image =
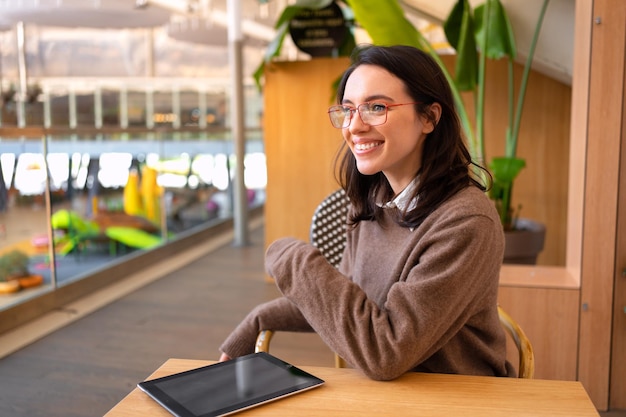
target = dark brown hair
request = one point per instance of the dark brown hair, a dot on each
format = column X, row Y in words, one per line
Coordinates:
column 446, row 162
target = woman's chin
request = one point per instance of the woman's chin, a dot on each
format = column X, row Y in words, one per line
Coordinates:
column 366, row 169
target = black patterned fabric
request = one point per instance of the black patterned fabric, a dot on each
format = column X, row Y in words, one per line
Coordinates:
column 328, row 226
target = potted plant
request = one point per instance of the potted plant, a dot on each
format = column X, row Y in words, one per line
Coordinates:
column 7, row 285
column 14, row 272
column 486, row 28
column 470, row 32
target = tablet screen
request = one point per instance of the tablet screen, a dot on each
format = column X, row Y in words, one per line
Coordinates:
column 227, row 387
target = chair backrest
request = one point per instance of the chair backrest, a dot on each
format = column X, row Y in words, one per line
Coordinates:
column 524, row 347
column 328, row 233
column 328, row 229
column 328, row 226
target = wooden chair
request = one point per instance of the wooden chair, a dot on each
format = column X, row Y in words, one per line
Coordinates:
column 328, row 228
column 524, row 348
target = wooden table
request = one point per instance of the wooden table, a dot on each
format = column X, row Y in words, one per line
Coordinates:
column 347, row 392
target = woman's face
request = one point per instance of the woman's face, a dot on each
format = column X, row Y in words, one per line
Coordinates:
column 395, row 147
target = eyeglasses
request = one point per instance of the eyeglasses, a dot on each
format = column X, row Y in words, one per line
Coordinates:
column 372, row 113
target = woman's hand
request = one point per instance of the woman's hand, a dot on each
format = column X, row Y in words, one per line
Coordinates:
column 224, row 357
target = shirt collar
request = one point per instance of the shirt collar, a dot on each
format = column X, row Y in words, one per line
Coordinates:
column 403, row 200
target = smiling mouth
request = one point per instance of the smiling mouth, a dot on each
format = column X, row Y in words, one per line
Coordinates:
column 366, row 146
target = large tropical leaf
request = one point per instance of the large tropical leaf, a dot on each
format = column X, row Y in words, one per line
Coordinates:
column 500, row 38
column 466, row 31
column 385, row 22
column 459, row 30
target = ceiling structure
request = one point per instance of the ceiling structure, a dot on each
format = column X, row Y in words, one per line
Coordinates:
column 113, row 14
column 205, row 21
column 184, row 16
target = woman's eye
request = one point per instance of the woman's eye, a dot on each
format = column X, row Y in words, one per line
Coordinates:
column 378, row 108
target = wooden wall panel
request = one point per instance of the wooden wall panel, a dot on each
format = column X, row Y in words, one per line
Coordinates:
column 549, row 317
column 617, row 399
column 604, row 142
column 300, row 143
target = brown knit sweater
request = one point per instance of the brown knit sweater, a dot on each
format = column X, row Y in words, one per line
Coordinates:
column 402, row 300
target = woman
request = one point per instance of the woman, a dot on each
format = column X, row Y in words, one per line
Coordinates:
column 417, row 285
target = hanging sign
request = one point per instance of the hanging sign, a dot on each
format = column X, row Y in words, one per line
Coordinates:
column 319, row 32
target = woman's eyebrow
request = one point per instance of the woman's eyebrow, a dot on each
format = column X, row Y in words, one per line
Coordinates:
column 371, row 98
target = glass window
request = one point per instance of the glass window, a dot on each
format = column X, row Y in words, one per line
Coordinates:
column 163, row 109
column 85, row 109
column 136, row 109
column 110, row 107
column 59, row 107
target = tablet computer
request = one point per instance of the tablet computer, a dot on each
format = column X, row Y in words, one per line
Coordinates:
column 228, row 387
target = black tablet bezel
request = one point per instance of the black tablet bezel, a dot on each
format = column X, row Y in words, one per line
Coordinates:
column 152, row 388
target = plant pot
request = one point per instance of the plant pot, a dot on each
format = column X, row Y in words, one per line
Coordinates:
column 524, row 243
column 10, row 286
column 30, row 281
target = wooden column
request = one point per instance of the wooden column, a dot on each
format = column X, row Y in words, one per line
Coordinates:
column 605, row 129
column 300, row 143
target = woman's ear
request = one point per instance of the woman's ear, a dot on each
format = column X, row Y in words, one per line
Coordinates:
column 432, row 118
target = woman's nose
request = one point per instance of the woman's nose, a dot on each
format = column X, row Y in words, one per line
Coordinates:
column 356, row 123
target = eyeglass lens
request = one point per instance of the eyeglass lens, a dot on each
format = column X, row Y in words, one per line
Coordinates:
column 373, row 114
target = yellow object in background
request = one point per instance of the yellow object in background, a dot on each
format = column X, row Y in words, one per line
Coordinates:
column 94, row 205
column 133, row 205
column 151, row 193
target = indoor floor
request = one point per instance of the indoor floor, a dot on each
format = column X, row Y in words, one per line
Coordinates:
column 85, row 367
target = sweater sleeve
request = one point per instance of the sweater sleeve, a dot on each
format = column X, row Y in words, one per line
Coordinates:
column 449, row 275
column 277, row 314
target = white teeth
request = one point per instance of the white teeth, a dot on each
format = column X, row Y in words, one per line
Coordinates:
column 366, row 146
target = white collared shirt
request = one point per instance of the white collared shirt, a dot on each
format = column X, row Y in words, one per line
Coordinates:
column 403, row 200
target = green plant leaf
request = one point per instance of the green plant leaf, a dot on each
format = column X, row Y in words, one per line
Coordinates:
column 387, row 25
column 506, row 169
column 465, row 30
column 498, row 30
column 273, row 49
column 454, row 21
column 348, row 45
column 459, row 29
